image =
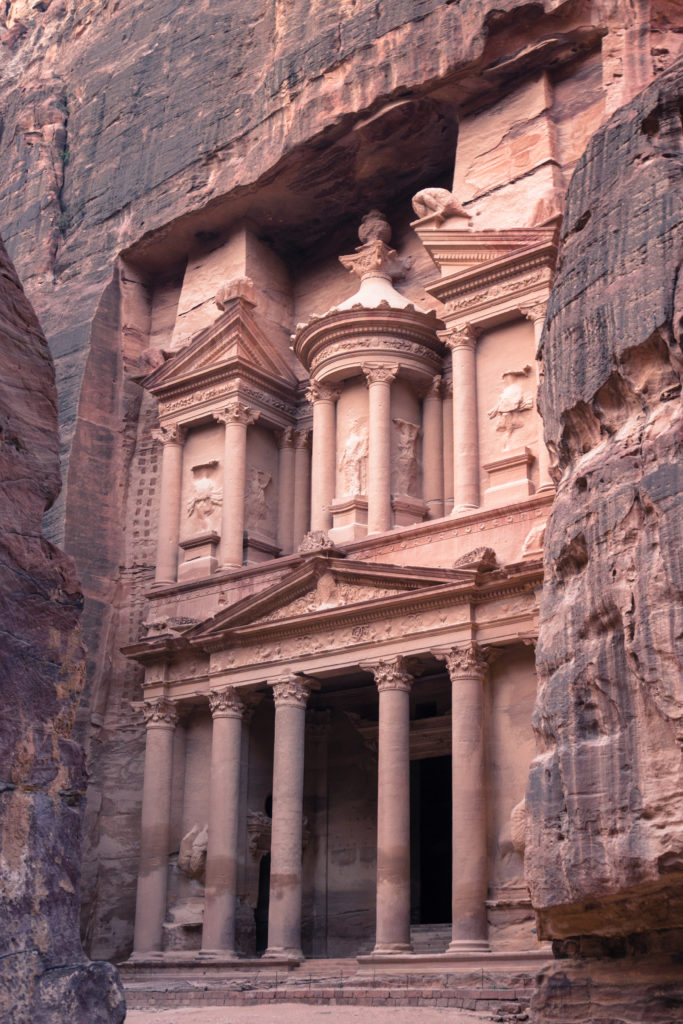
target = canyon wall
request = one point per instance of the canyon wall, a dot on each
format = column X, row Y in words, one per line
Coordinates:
column 44, row 975
column 605, row 801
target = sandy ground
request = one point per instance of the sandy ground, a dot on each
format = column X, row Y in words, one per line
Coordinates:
column 293, row 1013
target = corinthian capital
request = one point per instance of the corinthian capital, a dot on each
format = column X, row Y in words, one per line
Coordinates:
column 379, row 374
column 318, row 392
column 169, row 433
column 160, row 712
column 225, row 703
column 391, row 674
column 465, row 662
column 285, row 437
column 293, row 692
column 459, row 337
column 237, row 412
column 534, row 312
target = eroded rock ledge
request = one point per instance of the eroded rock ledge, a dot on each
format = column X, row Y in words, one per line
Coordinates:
column 44, row 975
column 605, row 840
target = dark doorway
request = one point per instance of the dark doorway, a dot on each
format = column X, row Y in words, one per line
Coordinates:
column 261, row 910
column 430, row 840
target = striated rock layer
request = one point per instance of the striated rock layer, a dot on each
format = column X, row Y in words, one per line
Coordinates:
column 605, row 800
column 44, row 976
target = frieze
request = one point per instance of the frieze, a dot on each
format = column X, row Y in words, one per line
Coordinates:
column 389, row 344
column 479, row 296
column 208, row 394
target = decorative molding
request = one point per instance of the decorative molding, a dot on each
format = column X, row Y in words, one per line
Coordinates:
column 293, row 692
column 391, row 675
column 434, row 388
column 237, row 412
column 160, row 712
column 302, row 438
column 225, row 703
column 379, row 374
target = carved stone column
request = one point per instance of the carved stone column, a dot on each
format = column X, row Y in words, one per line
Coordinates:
column 284, row 912
column 467, row 669
column 236, row 418
column 286, row 496
column 172, row 438
column 323, row 459
column 150, row 911
column 447, row 410
column 432, row 450
column 536, row 314
column 218, row 932
column 393, row 807
column 463, row 345
column 302, row 486
column 379, row 380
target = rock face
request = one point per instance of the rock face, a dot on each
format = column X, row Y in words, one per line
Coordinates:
column 44, row 976
column 605, row 802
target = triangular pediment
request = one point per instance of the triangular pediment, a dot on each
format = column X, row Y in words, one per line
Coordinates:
column 323, row 586
column 235, row 337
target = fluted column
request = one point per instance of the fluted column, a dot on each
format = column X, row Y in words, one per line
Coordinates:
column 286, row 497
column 171, row 437
column 150, row 910
column 218, row 932
column 323, row 459
column 447, row 410
column 432, row 450
column 463, row 345
column 236, row 418
column 393, row 807
column 302, row 486
column 467, row 669
column 379, row 380
column 284, row 911
column 536, row 314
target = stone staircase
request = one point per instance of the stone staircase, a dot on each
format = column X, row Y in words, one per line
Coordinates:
column 502, row 994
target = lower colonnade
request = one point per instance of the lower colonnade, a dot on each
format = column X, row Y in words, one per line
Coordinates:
column 230, row 708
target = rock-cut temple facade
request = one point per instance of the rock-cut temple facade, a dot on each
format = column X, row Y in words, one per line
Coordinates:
column 338, row 644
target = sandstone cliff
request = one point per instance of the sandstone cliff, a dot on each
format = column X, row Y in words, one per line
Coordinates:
column 605, row 840
column 44, row 976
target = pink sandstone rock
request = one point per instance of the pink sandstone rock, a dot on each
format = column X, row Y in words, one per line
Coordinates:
column 605, row 802
column 44, row 975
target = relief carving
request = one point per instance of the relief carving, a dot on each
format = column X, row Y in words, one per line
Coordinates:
column 391, row 675
column 159, row 711
column 512, row 403
column 353, row 460
column 256, row 501
column 206, row 497
column 406, row 469
column 192, row 852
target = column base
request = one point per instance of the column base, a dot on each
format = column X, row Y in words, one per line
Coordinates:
column 459, row 510
column 152, row 954
column 283, row 954
column 231, row 566
column 392, row 949
column 469, row 946
column 546, row 489
column 217, row 954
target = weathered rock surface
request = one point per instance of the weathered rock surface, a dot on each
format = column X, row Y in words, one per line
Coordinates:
column 605, row 802
column 44, row 976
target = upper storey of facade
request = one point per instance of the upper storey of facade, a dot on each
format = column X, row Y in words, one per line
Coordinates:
column 383, row 409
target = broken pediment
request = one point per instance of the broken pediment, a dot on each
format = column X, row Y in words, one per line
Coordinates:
column 234, row 339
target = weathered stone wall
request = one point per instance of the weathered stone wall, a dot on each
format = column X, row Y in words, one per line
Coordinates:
column 605, row 801
column 44, row 975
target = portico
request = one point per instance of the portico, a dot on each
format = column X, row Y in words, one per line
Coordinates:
column 398, row 660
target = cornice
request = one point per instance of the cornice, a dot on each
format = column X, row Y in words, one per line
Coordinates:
column 511, row 266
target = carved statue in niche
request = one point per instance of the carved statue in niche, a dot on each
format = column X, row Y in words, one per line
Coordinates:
column 192, row 853
column 256, row 500
column 406, row 469
column 206, row 498
column 353, row 461
column 512, row 402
